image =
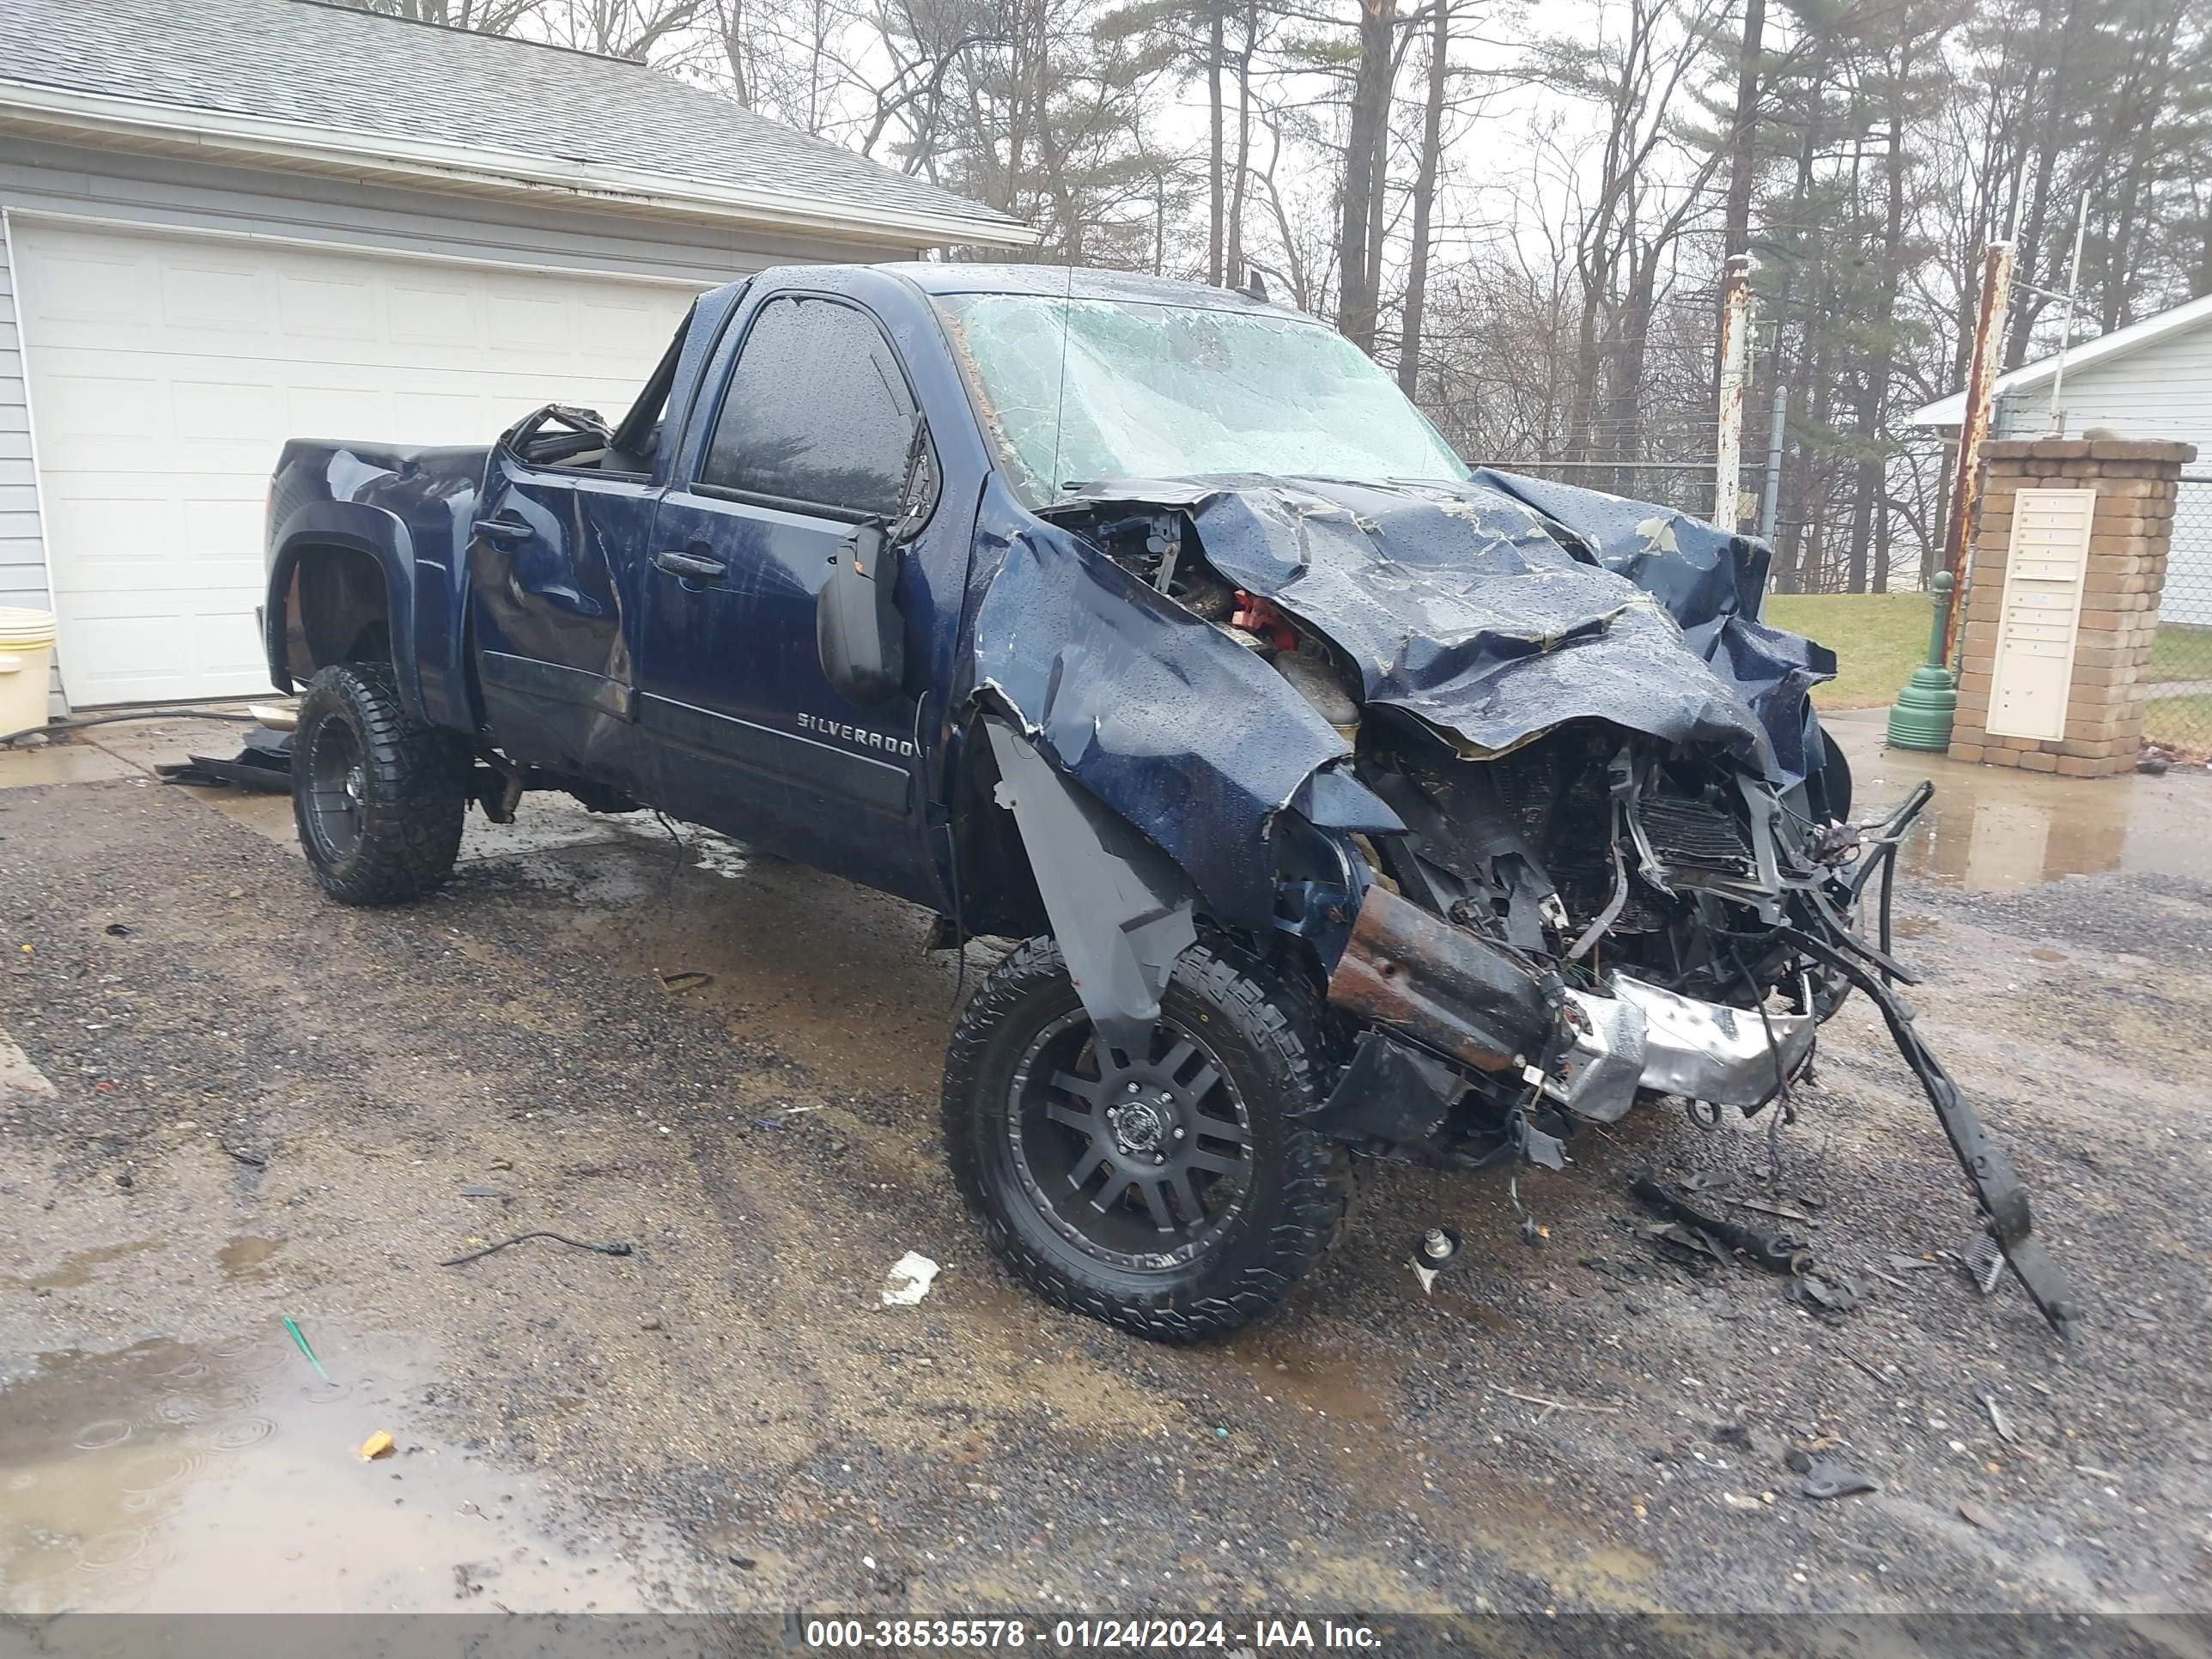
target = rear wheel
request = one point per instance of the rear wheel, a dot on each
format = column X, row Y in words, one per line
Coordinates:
column 377, row 796
column 1177, row 1193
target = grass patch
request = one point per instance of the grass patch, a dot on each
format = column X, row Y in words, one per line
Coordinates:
column 2182, row 651
column 2184, row 723
column 1879, row 639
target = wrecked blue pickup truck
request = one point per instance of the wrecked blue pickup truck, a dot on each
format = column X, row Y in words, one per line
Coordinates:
column 1346, row 801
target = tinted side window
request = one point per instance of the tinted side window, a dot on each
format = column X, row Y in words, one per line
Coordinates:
column 815, row 411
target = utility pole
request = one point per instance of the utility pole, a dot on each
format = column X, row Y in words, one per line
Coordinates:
column 1776, row 423
column 1974, row 429
column 1736, row 331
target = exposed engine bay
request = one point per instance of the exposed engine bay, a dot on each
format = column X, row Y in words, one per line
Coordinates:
column 1561, row 831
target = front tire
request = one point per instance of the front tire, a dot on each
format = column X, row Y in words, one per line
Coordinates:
column 1179, row 1196
column 377, row 797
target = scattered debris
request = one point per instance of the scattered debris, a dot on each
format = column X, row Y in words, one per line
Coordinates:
column 117, row 930
column 1776, row 1252
column 1736, row 1500
column 1831, row 1293
column 1914, row 1264
column 619, row 1248
column 1737, row 1435
column 1551, row 1404
column 265, row 765
column 648, row 1324
column 1985, row 1263
column 300, row 1341
column 1782, row 1210
column 252, row 1160
column 1976, row 1515
column 1824, row 1478
column 475, row 1191
column 2152, row 761
column 2092, row 1469
column 908, row 1280
column 377, row 1445
column 1998, row 1420
column 689, row 980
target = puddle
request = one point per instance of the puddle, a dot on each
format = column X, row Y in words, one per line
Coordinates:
column 1289, row 1371
column 245, row 1257
column 77, row 1270
column 174, row 1477
column 1994, row 830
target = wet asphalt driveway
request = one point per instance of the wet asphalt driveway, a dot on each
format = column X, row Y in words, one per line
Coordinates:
column 235, row 1103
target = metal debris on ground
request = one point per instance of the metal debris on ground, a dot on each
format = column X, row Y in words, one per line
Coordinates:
column 1433, row 1252
column 265, row 765
column 475, row 1191
column 1782, row 1210
column 1986, row 1262
column 1824, row 1478
column 1776, row 1252
column 689, row 979
column 908, row 1280
column 252, row 1160
column 1974, row 1513
column 1831, row 1293
column 619, row 1248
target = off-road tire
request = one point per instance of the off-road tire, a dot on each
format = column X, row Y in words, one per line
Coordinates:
column 1263, row 1033
column 413, row 795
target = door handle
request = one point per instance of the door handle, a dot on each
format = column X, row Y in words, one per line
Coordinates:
column 693, row 567
column 501, row 529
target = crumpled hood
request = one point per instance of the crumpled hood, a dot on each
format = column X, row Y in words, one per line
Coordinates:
column 1497, row 610
column 1492, row 611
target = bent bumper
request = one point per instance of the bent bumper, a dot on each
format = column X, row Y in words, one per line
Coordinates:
column 1485, row 1006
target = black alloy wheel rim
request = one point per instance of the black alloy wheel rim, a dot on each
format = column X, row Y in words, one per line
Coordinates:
column 337, row 779
column 1142, row 1164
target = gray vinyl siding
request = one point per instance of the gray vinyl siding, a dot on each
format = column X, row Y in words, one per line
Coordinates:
column 2162, row 391
column 185, row 194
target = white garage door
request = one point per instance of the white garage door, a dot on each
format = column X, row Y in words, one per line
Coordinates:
column 167, row 370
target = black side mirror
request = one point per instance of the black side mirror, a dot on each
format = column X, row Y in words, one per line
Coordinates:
column 858, row 632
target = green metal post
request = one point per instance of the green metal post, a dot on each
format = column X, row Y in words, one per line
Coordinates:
column 1921, row 717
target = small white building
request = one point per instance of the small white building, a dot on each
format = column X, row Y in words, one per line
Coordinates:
column 2150, row 380
column 229, row 221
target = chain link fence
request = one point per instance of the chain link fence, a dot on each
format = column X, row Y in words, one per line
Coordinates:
column 1686, row 486
column 2178, row 710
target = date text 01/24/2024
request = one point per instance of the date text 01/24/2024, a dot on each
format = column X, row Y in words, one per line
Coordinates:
column 1087, row 1635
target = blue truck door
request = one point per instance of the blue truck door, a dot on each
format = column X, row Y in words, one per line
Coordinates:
column 808, row 440
column 550, row 585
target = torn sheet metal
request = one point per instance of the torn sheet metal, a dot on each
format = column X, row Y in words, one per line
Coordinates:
column 1709, row 1051
column 1121, row 911
column 1714, row 584
column 1496, row 613
column 1164, row 717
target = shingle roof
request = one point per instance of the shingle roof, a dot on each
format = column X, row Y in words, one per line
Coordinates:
column 2086, row 354
column 329, row 68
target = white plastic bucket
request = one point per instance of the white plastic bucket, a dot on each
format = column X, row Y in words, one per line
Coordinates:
column 26, row 653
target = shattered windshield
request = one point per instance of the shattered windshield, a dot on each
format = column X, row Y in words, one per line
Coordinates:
column 1174, row 392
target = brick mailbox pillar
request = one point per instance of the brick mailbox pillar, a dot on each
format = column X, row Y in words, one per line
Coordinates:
column 2066, row 581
